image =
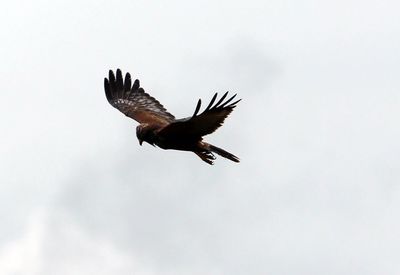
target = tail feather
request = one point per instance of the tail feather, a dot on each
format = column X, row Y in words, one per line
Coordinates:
column 223, row 153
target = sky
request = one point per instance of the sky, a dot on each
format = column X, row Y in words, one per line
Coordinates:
column 317, row 190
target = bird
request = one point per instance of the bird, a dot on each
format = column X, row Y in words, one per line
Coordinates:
column 160, row 128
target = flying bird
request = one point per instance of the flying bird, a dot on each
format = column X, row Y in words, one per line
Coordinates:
column 160, row 128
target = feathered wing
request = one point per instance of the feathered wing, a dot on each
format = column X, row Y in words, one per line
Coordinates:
column 133, row 101
column 203, row 124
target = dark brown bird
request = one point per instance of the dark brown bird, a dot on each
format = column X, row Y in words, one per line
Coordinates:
column 159, row 128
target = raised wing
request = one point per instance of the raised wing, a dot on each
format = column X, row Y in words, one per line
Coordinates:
column 133, row 101
column 203, row 124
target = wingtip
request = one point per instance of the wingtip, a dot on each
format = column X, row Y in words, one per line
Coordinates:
column 197, row 108
column 111, row 76
column 107, row 88
column 234, row 103
column 127, row 82
column 211, row 102
column 119, row 75
column 136, row 85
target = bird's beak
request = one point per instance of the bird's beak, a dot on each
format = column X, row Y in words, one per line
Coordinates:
column 140, row 142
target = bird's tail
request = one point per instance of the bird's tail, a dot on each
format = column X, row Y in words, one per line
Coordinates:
column 223, row 153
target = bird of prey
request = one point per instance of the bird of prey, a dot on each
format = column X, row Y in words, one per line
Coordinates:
column 160, row 128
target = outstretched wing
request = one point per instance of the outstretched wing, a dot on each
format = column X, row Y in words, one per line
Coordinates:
column 133, row 101
column 203, row 124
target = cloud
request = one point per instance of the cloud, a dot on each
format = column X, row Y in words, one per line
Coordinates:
column 55, row 244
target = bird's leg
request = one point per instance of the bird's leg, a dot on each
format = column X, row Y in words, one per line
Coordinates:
column 206, row 156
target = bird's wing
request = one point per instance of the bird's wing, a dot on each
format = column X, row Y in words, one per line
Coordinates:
column 203, row 124
column 133, row 101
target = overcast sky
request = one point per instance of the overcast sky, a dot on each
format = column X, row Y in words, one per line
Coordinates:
column 317, row 190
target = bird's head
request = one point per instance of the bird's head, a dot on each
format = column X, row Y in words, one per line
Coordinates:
column 144, row 133
column 140, row 133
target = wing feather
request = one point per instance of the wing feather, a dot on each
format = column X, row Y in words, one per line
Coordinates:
column 203, row 124
column 127, row 83
column 221, row 99
column 197, row 107
column 133, row 101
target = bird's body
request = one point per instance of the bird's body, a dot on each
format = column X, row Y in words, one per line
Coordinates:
column 160, row 128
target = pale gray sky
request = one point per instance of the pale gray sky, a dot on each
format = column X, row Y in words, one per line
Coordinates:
column 318, row 187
